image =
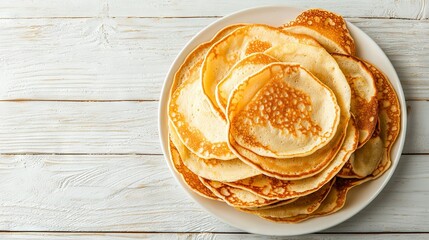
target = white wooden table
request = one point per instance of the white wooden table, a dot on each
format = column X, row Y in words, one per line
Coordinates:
column 79, row 88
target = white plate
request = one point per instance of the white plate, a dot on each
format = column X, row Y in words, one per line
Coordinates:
column 358, row 198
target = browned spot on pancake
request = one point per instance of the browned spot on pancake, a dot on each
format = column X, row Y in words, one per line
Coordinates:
column 280, row 106
column 346, row 171
column 259, row 58
column 257, row 46
column 365, row 112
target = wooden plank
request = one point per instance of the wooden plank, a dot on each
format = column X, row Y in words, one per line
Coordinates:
column 412, row 9
column 201, row 236
column 95, row 193
column 88, row 59
column 408, row 60
column 52, row 9
column 138, row 193
column 119, row 127
column 79, row 127
column 127, row 59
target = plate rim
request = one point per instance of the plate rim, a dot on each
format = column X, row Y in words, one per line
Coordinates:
column 163, row 118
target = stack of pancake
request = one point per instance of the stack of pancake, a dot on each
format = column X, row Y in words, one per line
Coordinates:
column 281, row 121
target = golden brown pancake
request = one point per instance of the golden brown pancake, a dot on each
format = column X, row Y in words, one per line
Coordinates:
column 364, row 105
column 331, row 75
column 189, row 109
column 197, row 55
column 389, row 121
column 267, row 119
column 235, row 197
column 214, row 169
column 238, row 73
column 276, row 204
column 389, row 117
column 328, row 28
column 190, row 178
column 305, row 205
column 333, row 202
column 282, row 111
column 274, row 188
column 236, row 46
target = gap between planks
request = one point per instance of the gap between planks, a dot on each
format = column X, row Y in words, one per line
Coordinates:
column 126, row 154
column 190, row 17
column 80, row 100
column 204, row 232
column 133, row 100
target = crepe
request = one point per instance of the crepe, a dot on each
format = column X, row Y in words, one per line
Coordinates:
column 305, row 205
column 236, row 46
column 333, row 202
column 190, row 178
column 235, row 197
column 238, row 73
column 364, row 104
column 213, row 169
column 282, row 111
column 274, row 188
column 373, row 159
column 281, row 123
column 189, row 109
column 328, row 28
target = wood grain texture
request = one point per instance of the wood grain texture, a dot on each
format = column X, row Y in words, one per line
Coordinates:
column 138, row 193
column 52, row 9
column 119, row 127
column 412, row 9
column 202, row 236
column 79, row 127
column 127, row 59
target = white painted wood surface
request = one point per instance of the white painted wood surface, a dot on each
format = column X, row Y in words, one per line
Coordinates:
column 79, row 89
column 138, row 194
column 408, row 9
column 201, row 236
column 127, row 58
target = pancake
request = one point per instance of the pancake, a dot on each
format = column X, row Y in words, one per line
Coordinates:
column 239, row 72
column 268, row 121
column 321, row 64
column 329, row 73
column 274, row 205
column 334, row 201
column 383, row 138
column 273, row 188
column 368, row 157
column 244, row 41
column 282, row 111
column 328, row 28
column 189, row 109
column 213, row 169
column 235, row 197
column 364, row 104
column 347, row 170
column 190, row 178
column 196, row 55
column 305, row 205
column 389, row 117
